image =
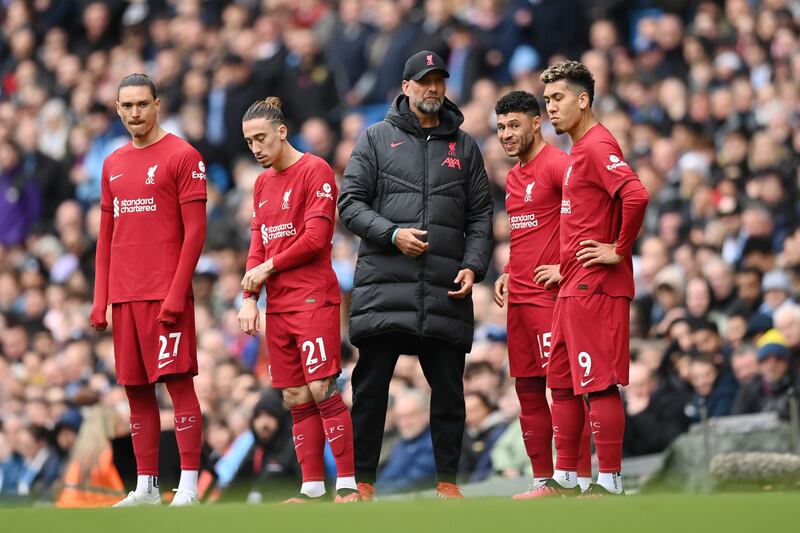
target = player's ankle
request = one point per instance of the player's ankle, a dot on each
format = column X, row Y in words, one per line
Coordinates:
column 611, row 481
column 565, row 478
column 313, row 489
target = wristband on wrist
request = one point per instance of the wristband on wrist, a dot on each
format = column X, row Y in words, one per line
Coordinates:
column 394, row 234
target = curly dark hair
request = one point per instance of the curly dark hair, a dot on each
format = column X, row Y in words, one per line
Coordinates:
column 518, row 102
column 575, row 73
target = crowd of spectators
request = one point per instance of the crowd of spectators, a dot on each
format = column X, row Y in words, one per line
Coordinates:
column 701, row 95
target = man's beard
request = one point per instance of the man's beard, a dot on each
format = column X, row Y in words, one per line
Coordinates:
column 429, row 107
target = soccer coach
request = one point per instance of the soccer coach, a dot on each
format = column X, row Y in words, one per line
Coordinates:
column 415, row 190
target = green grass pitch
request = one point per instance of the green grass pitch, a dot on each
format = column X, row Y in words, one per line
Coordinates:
column 725, row 513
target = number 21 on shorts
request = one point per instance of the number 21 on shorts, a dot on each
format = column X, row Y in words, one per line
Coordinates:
column 313, row 363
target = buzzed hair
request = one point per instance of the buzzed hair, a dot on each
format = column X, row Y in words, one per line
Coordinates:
column 574, row 73
column 518, row 102
column 137, row 80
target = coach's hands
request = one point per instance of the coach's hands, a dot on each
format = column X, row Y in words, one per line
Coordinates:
column 248, row 317
column 466, row 278
column 501, row 289
column 98, row 317
column 171, row 309
column 547, row 275
column 256, row 276
column 407, row 242
column 598, row 253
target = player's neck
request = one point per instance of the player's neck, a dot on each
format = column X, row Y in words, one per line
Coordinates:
column 585, row 124
column 536, row 147
column 152, row 137
column 289, row 157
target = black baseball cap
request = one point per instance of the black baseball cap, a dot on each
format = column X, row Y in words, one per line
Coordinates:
column 423, row 62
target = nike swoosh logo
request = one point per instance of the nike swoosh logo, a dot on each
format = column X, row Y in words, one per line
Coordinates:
column 336, row 437
column 395, row 145
column 507, row 195
column 584, row 383
column 184, row 428
column 165, row 363
column 298, row 445
column 313, row 369
column 112, row 178
column 134, row 434
column 261, row 203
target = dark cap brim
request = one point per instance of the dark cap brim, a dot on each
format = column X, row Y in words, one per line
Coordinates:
column 421, row 73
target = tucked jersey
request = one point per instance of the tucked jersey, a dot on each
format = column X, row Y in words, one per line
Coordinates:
column 143, row 189
column 591, row 210
column 533, row 201
column 282, row 203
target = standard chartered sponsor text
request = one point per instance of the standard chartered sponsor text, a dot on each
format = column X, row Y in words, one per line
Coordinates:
column 281, row 230
column 524, row 221
column 137, row 205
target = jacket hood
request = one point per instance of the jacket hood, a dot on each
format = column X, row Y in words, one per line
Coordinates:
column 400, row 115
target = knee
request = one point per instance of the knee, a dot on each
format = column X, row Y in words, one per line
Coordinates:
column 294, row 396
column 613, row 390
column 322, row 389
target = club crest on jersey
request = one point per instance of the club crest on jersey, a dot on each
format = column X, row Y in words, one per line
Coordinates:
column 201, row 175
column 286, row 196
column 616, row 162
column 325, row 192
column 451, row 160
column 529, row 191
column 151, row 175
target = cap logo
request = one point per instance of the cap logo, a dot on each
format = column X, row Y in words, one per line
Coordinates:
column 429, row 58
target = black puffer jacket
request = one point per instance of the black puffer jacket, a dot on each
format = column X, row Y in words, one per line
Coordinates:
column 399, row 176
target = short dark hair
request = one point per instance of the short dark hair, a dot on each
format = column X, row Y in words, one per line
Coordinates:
column 269, row 109
column 138, row 80
column 518, row 102
column 575, row 73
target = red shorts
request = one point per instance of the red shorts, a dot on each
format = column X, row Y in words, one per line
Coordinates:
column 591, row 343
column 304, row 346
column 145, row 350
column 529, row 339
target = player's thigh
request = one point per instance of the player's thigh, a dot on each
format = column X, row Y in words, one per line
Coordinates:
column 559, row 374
column 282, row 351
column 128, row 358
column 319, row 340
column 597, row 334
column 530, row 339
column 166, row 349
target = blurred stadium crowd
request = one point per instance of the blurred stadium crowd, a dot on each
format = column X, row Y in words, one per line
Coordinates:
column 702, row 96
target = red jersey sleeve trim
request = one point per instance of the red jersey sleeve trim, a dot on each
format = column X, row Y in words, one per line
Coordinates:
column 194, row 198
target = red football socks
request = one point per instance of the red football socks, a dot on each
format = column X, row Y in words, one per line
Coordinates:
column 339, row 432
column 537, row 426
column 585, row 450
column 188, row 420
column 309, row 441
column 607, row 415
column 145, row 427
column 568, row 422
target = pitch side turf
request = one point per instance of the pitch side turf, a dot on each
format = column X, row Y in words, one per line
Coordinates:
column 725, row 513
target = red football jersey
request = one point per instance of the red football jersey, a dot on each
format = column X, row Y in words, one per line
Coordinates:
column 533, row 201
column 282, row 202
column 144, row 188
column 590, row 210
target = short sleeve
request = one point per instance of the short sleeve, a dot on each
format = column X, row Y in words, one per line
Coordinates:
column 106, row 202
column 611, row 170
column 321, row 192
column 190, row 173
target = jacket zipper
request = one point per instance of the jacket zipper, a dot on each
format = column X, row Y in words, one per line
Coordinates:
column 425, row 228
